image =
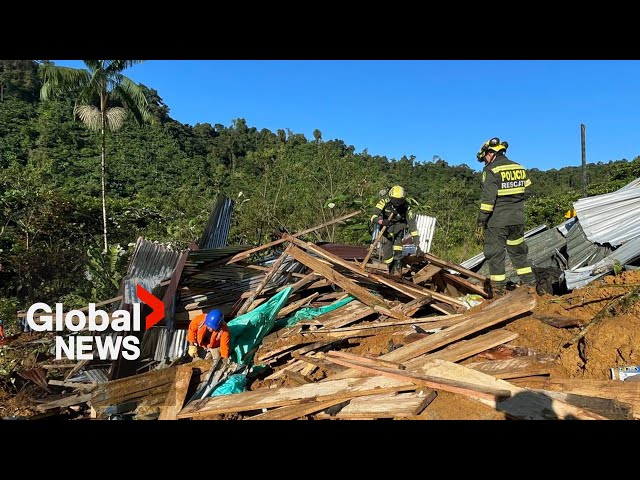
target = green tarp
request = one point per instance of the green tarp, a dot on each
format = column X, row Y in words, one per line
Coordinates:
column 248, row 330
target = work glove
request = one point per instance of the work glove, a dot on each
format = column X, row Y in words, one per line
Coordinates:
column 479, row 233
column 384, row 222
column 193, row 351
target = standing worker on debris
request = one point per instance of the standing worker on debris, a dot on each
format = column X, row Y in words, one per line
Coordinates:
column 500, row 223
column 403, row 219
column 209, row 332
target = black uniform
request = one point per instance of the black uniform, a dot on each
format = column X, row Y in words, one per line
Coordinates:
column 502, row 210
column 403, row 219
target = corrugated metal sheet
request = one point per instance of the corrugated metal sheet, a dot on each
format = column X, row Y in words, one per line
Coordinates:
column 581, row 251
column 476, row 260
column 579, row 277
column 150, row 264
column 160, row 344
column 216, row 233
column 426, row 227
column 98, row 375
column 612, row 217
column 543, row 249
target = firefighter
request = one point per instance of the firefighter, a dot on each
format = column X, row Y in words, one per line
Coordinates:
column 500, row 223
column 403, row 220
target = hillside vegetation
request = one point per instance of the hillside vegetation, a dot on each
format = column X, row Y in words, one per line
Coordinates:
column 163, row 177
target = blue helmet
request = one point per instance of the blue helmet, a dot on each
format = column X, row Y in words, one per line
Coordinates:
column 214, row 319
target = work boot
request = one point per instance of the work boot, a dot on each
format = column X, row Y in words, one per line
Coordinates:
column 528, row 279
column 498, row 289
column 395, row 268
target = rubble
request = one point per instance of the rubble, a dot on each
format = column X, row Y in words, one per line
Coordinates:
column 318, row 335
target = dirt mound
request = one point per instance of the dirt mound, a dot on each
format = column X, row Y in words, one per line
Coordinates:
column 613, row 341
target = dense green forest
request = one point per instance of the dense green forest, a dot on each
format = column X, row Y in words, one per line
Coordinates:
column 163, row 178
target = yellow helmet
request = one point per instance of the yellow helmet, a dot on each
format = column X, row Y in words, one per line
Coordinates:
column 494, row 145
column 397, row 195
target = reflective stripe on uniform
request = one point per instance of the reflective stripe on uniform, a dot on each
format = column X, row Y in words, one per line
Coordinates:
column 486, row 207
column 510, row 191
column 373, row 217
column 517, row 241
column 504, row 168
column 498, row 278
column 397, row 247
column 381, row 204
column 388, row 260
column 527, row 183
column 523, row 271
column 413, row 234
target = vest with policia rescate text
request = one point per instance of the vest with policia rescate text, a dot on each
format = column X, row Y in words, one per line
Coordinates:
column 504, row 184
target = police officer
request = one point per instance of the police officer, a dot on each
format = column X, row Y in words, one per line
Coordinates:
column 403, row 219
column 500, row 223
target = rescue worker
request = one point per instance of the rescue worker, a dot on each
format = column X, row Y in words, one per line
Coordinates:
column 1, row 330
column 403, row 219
column 209, row 333
column 500, row 223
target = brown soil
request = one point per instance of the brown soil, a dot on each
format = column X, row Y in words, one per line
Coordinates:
column 612, row 342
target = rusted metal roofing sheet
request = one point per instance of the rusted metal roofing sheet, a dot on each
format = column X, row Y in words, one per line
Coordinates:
column 612, row 217
column 347, row 252
column 216, row 233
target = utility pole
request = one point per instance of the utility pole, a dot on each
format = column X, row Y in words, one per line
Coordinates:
column 584, row 160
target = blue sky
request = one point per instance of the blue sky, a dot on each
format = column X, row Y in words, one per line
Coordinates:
column 423, row 108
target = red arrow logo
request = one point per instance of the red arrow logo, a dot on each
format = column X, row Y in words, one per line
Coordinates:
column 157, row 306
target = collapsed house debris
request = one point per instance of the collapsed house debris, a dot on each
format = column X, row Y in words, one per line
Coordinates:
column 316, row 334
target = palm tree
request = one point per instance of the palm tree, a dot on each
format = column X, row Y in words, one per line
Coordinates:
column 104, row 96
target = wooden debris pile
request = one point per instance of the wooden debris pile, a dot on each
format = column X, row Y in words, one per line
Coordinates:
column 386, row 353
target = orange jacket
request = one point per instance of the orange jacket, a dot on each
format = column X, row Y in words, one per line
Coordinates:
column 219, row 338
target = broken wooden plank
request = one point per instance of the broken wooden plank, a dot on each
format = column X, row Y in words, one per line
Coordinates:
column 141, row 385
column 401, row 405
column 366, row 359
column 466, row 348
column 366, row 297
column 426, row 273
column 267, row 277
column 277, row 397
column 292, row 412
column 82, row 385
column 510, row 306
column 465, row 284
column 67, row 401
column 177, row 393
column 431, row 381
column 414, row 291
column 251, row 251
column 318, row 362
column 453, row 266
column 516, row 367
column 405, row 288
column 410, row 308
column 624, row 392
column 297, row 377
column 523, row 404
column 296, row 305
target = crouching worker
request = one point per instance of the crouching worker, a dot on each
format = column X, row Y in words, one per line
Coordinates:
column 208, row 333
